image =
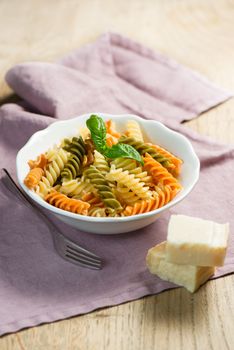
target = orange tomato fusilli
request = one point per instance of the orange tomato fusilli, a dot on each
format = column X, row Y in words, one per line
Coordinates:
column 160, row 174
column 61, row 201
column 177, row 162
column 40, row 162
column 33, row 178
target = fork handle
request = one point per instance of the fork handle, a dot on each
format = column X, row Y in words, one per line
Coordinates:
column 37, row 210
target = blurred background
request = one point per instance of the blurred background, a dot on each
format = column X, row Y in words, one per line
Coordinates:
column 197, row 33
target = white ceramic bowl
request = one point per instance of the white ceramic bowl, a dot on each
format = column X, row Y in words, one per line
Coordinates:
column 154, row 131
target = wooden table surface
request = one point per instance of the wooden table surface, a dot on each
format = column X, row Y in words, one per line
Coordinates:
column 197, row 33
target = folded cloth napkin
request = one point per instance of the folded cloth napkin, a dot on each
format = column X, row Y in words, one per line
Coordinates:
column 114, row 75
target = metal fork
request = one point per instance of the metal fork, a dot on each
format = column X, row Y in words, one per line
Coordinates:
column 66, row 248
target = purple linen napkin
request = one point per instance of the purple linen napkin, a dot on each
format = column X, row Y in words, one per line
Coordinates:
column 114, row 75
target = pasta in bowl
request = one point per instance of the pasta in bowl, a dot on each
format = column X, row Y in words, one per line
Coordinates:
column 105, row 173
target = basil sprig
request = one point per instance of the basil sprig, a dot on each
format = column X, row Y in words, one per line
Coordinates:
column 97, row 128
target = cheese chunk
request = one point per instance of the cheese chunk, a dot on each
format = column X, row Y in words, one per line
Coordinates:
column 188, row 276
column 195, row 241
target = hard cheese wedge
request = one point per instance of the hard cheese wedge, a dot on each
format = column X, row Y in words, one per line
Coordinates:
column 195, row 241
column 190, row 277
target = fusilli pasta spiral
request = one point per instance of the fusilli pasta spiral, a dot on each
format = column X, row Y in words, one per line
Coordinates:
column 159, row 173
column 40, row 162
column 97, row 212
column 33, row 178
column 165, row 194
column 99, row 182
column 76, row 187
column 53, row 169
column 73, row 166
column 89, row 156
column 61, row 201
column 175, row 161
column 103, row 212
column 110, row 129
column 129, row 181
column 76, row 146
column 131, row 166
column 134, row 130
column 101, row 163
column 161, row 197
column 124, row 195
column 93, row 199
column 143, row 148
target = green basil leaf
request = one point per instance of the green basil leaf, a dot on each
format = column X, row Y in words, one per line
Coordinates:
column 97, row 128
column 122, row 150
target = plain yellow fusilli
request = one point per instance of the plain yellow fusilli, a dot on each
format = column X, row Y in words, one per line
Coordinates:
column 56, row 163
column 101, row 163
column 134, row 130
column 76, row 187
column 129, row 181
column 133, row 168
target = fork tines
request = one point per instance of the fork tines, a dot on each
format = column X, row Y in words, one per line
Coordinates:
column 82, row 257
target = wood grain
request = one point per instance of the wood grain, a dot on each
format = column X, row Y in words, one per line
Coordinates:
column 197, row 33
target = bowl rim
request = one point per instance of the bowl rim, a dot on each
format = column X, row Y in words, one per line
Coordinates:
column 85, row 218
